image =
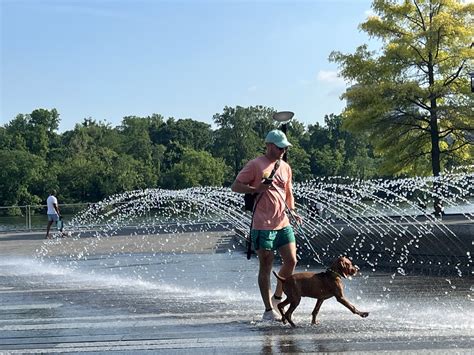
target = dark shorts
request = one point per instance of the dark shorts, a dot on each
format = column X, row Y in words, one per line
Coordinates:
column 272, row 239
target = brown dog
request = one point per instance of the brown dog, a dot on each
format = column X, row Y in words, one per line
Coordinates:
column 322, row 286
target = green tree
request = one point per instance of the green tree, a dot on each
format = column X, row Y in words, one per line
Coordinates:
column 91, row 177
column 299, row 161
column 20, row 170
column 297, row 156
column 327, row 161
column 335, row 151
column 172, row 137
column 89, row 136
column 156, row 123
column 196, row 168
column 240, row 134
column 413, row 96
column 136, row 138
column 5, row 139
column 187, row 132
column 33, row 132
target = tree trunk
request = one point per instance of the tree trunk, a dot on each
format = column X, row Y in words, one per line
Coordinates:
column 435, row 159
column 435, row 151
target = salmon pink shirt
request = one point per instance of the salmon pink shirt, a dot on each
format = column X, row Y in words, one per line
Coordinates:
column 270, row 211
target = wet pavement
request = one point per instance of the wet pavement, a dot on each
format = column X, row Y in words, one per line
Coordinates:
column 176, row 294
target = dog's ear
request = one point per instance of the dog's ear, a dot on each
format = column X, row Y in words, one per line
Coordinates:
column 339, row 266
column 349, row 268
column 346, row 266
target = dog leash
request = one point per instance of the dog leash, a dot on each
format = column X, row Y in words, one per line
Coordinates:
column 249, row 239
column 268, row 180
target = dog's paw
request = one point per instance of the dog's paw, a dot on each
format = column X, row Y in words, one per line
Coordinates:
column 364, row 314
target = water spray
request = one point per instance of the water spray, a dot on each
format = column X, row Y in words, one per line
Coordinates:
column 316, row 257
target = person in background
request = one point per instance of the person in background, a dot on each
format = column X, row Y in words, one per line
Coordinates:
column 53, row 211
column 271, row 229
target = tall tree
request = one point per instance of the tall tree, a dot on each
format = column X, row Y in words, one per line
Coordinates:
column 90, row 135
column 19, row 171
column 188, row 132
column 240, row 134
column 34, row 132
column 136, row 137
column 196, row 168
column 335, row 151
column 298, row 158
column 413, row 96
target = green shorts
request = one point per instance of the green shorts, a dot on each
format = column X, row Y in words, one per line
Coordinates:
column 272, row 240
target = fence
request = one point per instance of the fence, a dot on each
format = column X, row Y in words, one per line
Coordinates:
column 33, row 217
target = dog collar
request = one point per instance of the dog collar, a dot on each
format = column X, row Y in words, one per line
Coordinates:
column 336, row 273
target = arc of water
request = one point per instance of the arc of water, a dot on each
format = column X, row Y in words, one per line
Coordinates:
column 157, row 210
column 350, row 204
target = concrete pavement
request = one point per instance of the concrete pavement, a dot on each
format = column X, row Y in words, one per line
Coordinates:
column 184, row 297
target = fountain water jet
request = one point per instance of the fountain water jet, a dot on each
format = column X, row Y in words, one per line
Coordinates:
column 378, row 223
column 139, row 273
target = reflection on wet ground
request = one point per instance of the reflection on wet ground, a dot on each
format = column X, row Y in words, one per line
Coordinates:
column 209, row 303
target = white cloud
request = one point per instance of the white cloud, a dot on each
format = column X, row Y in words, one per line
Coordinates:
column 330, row 76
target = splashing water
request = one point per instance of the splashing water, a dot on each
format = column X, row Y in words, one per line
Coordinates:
column 378, row 223
column 142, row 265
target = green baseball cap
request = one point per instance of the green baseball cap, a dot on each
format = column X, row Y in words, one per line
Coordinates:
column 278, row 138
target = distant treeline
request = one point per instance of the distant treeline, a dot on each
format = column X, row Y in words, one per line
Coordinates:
column 96, row 160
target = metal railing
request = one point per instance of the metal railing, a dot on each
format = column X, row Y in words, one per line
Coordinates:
column 29, row 218
column 33, row 217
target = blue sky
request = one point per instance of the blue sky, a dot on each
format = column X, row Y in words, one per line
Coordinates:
column 107, row 59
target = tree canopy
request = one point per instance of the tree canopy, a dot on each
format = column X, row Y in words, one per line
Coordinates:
column 96, row 160
column 409, row 111
column 412, row 97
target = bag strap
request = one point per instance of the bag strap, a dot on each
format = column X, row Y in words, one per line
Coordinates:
column 275, row 168
column 249, row 242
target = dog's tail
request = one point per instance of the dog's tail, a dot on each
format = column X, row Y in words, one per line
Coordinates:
column 279, row 277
